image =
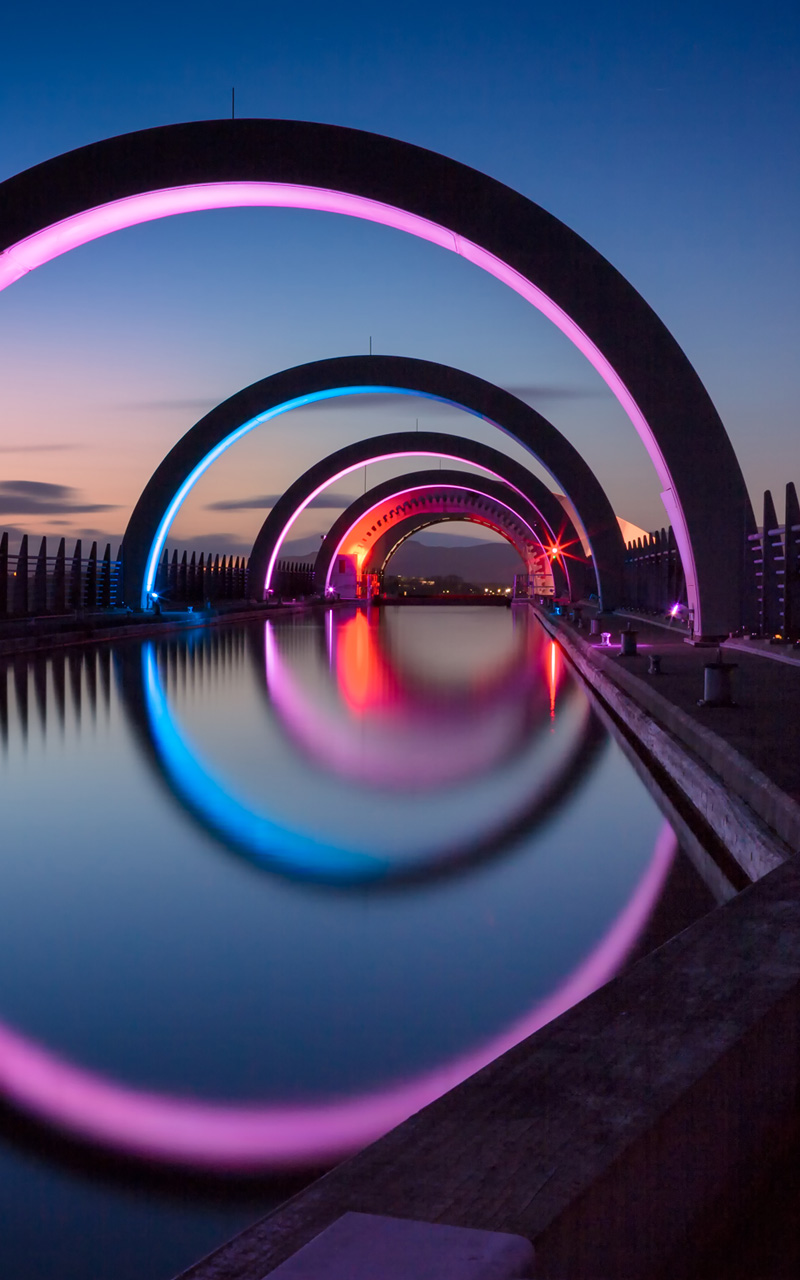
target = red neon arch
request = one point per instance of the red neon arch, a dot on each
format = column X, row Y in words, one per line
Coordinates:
column 353, row 541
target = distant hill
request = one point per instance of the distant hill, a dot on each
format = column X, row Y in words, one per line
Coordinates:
column 480, row 563
column 477, row 562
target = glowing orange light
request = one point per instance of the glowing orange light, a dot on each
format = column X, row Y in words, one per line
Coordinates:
column 361, row 669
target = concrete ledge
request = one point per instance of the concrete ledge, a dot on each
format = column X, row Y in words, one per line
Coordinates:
column 763, row 649
column 609, row 1135
column 39, row 635
column 366, row 1246
column 755, row 821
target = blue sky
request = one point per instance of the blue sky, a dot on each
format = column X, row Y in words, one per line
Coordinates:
column 667, row 137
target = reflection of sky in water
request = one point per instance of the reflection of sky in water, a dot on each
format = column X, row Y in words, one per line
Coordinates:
column 135, row 945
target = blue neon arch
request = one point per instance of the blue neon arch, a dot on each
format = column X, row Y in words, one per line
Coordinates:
column 324, row 380
column 298, row 402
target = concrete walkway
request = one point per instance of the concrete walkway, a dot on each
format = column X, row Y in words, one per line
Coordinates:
column 733, row 769
column 764, row 725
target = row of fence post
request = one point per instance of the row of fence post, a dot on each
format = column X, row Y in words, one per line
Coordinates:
column 193, row 580
column 776, row 564
column 40, row 584
column 652, row 577
column 293, row 578
column 34, row 584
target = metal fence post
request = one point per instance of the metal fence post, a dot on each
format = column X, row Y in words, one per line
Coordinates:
column 90, row 595
column 76, row 578
column 39, row 602
column 4, row 575
column 20, row 594
column 59, row 596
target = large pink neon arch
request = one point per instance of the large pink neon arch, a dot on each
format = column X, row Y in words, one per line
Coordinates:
column 157, row 173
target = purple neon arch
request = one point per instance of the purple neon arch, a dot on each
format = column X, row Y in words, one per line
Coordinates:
column 226, row 1136
column 390, row 457
column 50, row 242
column 401, row 493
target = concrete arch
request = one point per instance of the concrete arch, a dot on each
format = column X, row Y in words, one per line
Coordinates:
column 356, row 375
column 83, row 194
column 594, row 509
column 374, row 526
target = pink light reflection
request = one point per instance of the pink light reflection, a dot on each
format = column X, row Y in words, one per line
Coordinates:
column 553, row 679
column 148, row 206
column 399, row 750
column 226, row 1136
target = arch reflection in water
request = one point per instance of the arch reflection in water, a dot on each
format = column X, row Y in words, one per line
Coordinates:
column 284, row 1131
column 378, row 722
column 401, row 746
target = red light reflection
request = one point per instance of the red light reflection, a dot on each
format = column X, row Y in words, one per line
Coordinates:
column 364, row 677
column 553, row 677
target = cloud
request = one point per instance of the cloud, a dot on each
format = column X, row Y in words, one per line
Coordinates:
column 365, row 400
column 37, row 448
column 402, row 404
column 100, row 535
column 543, row 391
column 34, row 489
column 200, row 405
column 220, row 544
column 34, row 497
column 266, row 501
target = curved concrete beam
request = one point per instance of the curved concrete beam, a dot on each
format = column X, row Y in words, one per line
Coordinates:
column 385, row 516
column 549, row 447
column 83, row 194
column 347, row 375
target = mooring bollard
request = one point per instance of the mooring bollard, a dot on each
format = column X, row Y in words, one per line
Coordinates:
column 605, row 639
column 655, row 665
column 594, row 627
column 628, row 639
column 717, row 682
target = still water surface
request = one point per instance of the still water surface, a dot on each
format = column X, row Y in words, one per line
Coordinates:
column 266, row 890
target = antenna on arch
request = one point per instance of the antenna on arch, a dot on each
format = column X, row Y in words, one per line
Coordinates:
column 233, row 104
column 370, row 344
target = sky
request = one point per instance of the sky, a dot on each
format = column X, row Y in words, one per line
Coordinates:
column 667, row 135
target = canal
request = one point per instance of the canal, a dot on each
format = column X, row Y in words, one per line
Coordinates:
column 269, row 888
